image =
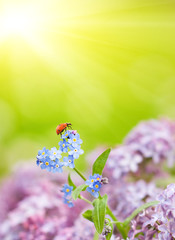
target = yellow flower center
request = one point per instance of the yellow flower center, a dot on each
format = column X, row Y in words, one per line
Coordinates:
column 54, row 153
column 74, row 140
column 69, row 161
column 96, row 186
column 57, row 166
column 47, row 163
column 43, row 153
column 98, row 179
column 92, row 180
column 93, row 190
column 75, row 150
column 67, row 190
column 66, row 135
column 63, row 145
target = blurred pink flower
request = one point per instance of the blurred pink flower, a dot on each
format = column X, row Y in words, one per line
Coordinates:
column 32, row 206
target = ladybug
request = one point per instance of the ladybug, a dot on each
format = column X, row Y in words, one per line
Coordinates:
column 62, row 127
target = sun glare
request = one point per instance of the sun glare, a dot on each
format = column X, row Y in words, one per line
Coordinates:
column 17, row 21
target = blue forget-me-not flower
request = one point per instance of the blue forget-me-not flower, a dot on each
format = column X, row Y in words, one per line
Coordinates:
column 94, row 184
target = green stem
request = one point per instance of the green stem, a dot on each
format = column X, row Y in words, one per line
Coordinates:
column 117, row 223
column 138, row 210
column 80, row 174
column 85, row 199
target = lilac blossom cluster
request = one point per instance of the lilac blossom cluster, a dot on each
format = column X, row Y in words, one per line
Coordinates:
column 156, row 140
column 158, row 222
column 149, row 141
column 51, row 159
column 39, row 212
column 126, row 197
column 32, row 208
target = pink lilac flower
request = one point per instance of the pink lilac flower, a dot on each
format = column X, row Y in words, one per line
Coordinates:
column 146, row 146
column 156, row 140
column 126, row 197
column 122, row 160
column 32, row 206
column 35, row 217
column 157, row 222
column 82, row 230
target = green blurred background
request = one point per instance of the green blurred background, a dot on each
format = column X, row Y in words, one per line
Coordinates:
column 101, row 65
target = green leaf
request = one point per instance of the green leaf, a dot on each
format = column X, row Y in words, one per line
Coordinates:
column 96, row 236
column 108, row 237
column 78, row 190
column 70, row 182
column 100, row 162
column 99, row 212
column 88, row 215
column 138, row 210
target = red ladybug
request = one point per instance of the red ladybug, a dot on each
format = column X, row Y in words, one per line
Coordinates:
column 62, row 127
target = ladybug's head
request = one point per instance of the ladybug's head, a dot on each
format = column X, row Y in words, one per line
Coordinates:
column 69, row 124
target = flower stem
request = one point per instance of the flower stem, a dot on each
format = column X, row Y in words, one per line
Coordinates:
column 80, row 174
column 119, row 226
column 85, row 199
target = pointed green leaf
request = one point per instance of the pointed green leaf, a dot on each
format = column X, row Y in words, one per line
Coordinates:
column 78, row 190
column 88, row 215
column 70, row 182
column 100, row 162
column 99, row 213
column 96, row 236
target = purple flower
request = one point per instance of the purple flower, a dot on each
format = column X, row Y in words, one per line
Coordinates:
column 32, row 208
column 126, row 197
column 158, row 221
column 122, row 160
column 74, row 132
column 155, row 139
column 84, row 230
